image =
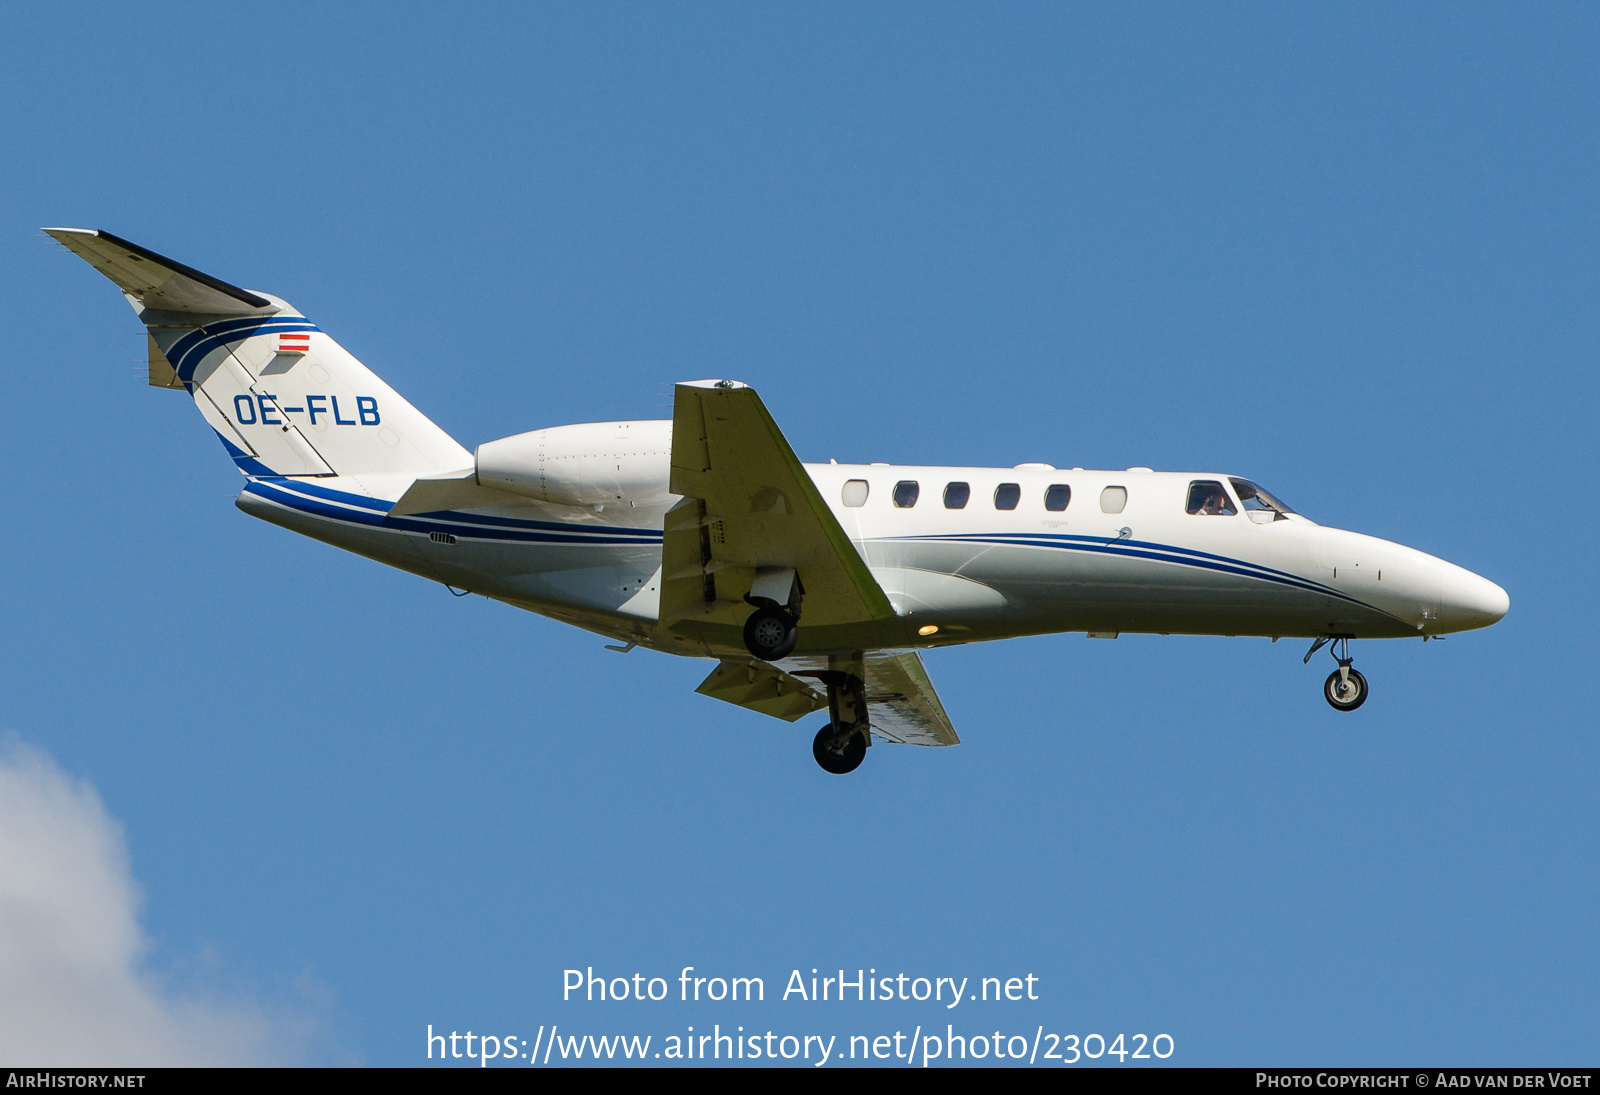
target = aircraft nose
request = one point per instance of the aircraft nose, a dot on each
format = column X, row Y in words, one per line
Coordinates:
column 1468, row 600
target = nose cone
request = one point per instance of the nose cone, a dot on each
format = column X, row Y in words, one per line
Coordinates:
column 1467, row 600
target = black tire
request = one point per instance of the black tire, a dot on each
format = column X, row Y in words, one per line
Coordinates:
column 770, row 634
column 847, row 760
column 1355, row 696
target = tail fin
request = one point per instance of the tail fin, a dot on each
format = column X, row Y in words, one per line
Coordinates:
column 284, row 397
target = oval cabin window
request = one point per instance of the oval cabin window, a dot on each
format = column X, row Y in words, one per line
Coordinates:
column 1007, row 495
column 956, row 495
column 905, row 494
column 1057, row 497
column 855, row 492
column 1113, row 499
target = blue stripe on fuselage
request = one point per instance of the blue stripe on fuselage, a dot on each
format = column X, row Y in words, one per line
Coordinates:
column 1144, row 549
column 362, row 509
column 268, row 489
column 360, row 501
column 374, row 512
column 456, row 516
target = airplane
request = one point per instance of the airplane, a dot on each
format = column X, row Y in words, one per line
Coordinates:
column 812, row 586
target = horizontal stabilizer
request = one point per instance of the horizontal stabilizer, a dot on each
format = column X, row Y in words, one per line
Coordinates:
column 764, row 688
column 156, row 281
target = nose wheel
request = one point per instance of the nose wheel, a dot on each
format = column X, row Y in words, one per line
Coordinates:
column 1345, row 689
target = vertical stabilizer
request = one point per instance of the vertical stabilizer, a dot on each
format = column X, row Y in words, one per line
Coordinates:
column 283, row 396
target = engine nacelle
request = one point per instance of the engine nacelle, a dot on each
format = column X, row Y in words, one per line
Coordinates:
column 592, row 464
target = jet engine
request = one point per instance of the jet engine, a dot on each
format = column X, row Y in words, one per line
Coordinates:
column 592, row 464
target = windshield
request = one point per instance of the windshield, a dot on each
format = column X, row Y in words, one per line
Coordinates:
column 1254, row 498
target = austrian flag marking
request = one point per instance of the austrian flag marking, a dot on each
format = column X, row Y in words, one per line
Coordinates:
column 296, row 343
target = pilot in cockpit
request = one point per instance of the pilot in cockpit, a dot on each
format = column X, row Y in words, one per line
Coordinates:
column 1209, row 499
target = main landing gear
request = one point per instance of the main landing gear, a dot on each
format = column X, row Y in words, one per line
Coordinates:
column 770, row 633
column 839, row 752
column 841, row 745
column 1345, row 689
column 774, row 627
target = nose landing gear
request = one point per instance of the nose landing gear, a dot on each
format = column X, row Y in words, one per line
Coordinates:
column 1345, row 689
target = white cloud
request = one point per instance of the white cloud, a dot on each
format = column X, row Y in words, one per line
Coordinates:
column 72, row 987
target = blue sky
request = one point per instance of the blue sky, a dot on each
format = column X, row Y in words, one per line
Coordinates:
column 1346, row 251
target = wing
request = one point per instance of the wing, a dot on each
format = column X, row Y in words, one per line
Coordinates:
column 750, row 506
column 901, row 703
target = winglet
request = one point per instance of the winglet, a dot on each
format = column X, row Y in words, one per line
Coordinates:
column 156, row 281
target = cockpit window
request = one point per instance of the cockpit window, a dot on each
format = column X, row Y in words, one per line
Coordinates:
column 1207, row 497
column 1254, row 498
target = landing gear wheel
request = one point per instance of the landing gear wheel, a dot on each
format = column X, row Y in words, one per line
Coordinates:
column 770, row 634
column 1345, row 695
column 848, row 756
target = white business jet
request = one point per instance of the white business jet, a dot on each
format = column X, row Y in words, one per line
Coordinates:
column 811, row 585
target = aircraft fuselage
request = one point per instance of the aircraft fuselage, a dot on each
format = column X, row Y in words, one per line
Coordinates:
column 973, row 573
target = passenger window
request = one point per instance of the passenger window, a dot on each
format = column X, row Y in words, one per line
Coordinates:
column 1206, row 497
column 956, row 495
column 905, row 494
column 855, row 492
column 1007, row 495
column 1057, row 497
column 1113, row 499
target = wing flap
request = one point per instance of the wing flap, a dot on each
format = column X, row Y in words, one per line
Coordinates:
column 902, row 705
column 764, row 688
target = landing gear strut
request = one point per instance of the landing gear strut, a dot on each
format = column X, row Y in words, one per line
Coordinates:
column 1345, row 689
column 841, row 745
